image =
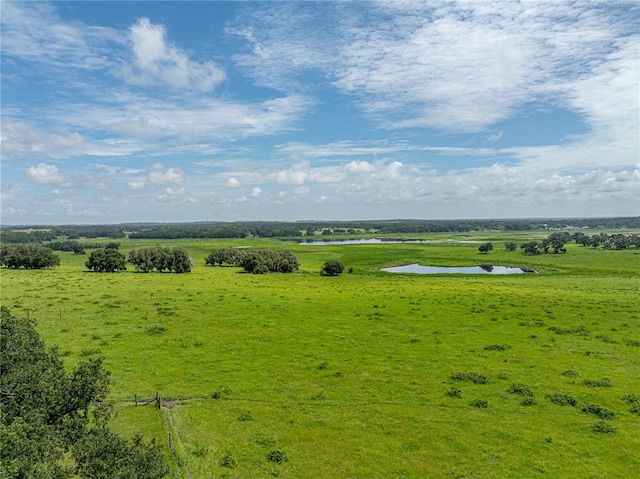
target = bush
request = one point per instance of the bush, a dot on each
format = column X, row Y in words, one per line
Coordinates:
column 228, row 461
column 480, row 403
column 597, row 383
column 562, row 399
column 518, row 388
column 332, row 267
column 497, row 347
column 278, row 456
column 603, row 427
column 600, row 411
column 632, row 400
column 471, row 377
column 454, row 393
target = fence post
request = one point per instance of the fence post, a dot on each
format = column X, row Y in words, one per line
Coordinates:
column 158, row 399
column 136, row 396
column 170, row 446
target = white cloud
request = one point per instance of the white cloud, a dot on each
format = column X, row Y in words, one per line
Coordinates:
column 159, row 175
column 495, row 136
column 256, row 192
column 23, row 141
column 136, row 185
column 359, row 166
column 157, row 62
column 174, row 191
column 301, row 190
column 293, row 176
column 45, row 174
column 233, row 183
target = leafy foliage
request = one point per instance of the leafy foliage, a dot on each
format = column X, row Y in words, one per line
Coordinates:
column 562, row 399
column 54, row 423
column 332, row 267
column 174, row 260
column 106, row 260
column 485, row 248
column 28, row 256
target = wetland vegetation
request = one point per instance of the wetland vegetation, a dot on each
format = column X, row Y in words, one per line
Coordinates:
column 363, row 374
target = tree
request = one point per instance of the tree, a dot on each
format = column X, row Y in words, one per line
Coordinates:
column 175, row 260
column 29, row 256
column 510, row 246
column 106, row 261
column 332, row 267
column 54, row 423
column 532, row 248
column 485, row 248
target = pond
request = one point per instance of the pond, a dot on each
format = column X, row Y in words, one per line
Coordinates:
column 483, row 269
column 316, row 242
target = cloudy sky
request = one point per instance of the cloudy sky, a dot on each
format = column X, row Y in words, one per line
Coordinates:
column 186, row 111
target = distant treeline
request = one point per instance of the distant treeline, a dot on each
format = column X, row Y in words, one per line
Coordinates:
column 275, row 229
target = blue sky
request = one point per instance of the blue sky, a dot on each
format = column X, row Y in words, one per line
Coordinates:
column 119, row 112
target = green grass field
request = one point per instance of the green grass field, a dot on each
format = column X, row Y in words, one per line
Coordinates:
column 365, row 375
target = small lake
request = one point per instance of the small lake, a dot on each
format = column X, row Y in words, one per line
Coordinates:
column 484, row 269
column 379, row 241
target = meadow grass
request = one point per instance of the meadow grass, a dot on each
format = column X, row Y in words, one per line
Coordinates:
column 349, row 376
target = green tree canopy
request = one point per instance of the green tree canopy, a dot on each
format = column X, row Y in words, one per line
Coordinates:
column 106, row 260
column 29, row 256
column 53, row 423
column 332, row 267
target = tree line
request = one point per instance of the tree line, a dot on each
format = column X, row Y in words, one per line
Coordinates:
column 275, row 229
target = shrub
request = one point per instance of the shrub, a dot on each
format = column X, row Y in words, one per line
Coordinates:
column 634, row 401
column 480, row 403
column 528, row 401
column 278, row 456
column 454, row 393
column 632, row 342
column 228, row 461
column 332, row 267
column 570, row 373
column 497, row 347
column 603, row 427
column 220, row 393
column 518, row 388
column 600, row 411
column 471, row 377
column 597, row 383
column 562, row 399
column 245, row 416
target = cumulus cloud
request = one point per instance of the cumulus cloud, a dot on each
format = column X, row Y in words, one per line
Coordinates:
column 174, row 191
column 292, row 176
column 233, row 182
column 136, row 185
column 159, row 62
column 256, row 192
column 359, row 166
column 45, row 174
column 159, row 175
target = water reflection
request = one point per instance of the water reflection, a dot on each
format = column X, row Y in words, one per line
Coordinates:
column 482, row 269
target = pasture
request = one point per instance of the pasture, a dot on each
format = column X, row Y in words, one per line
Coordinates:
column 365, row 375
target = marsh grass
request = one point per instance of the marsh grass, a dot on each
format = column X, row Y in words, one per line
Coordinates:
column 380, row 348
